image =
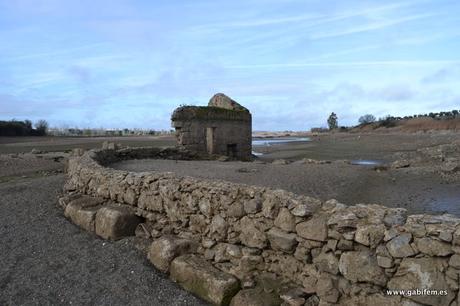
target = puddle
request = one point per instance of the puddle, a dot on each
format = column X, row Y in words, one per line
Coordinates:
column 366, row 162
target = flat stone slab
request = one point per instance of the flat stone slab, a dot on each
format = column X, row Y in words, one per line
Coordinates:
column 116, row 221
column 163, row 250
column 198, row 276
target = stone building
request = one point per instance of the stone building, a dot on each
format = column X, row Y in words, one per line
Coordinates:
column 224, row 127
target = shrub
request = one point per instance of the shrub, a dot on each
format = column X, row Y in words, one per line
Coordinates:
column 366, row 119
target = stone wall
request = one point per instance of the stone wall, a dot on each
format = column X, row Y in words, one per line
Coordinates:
column 316, row 252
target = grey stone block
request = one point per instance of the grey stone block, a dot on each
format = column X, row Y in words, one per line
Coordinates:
column 116, row 221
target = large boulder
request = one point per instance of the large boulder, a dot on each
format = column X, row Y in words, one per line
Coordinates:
column 362, row 266
column 198, row 276
column 423, row 274
column 163, row 250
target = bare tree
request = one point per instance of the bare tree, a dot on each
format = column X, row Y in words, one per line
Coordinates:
column 42, row 127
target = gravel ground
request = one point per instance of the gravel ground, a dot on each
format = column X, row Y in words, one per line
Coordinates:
column 417, row 191
column 46, row 260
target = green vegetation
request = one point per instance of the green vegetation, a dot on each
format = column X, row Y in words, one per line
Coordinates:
column 23, row 128
column 332, row 121
column 366, row 119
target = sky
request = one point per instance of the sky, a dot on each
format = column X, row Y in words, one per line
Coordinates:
column 128, row 64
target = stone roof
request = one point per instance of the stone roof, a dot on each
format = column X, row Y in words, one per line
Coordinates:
column 223, row 101
column 220, row 107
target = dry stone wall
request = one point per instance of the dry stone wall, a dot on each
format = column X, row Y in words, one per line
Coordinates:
column 222, row 240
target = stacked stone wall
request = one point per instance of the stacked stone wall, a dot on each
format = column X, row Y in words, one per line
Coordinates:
column 331, row 253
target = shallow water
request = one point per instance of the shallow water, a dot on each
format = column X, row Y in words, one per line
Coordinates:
column 366, row 162
column 266, row 142
column 272, row 141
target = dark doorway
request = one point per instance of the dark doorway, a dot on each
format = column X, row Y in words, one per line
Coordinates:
column 232, row 150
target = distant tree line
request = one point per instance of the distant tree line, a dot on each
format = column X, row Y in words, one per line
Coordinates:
column 87, row 132
column 387, row 121
column 390, row 121
column 23, row 128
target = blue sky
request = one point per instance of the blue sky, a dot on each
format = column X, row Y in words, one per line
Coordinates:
column 119, row 64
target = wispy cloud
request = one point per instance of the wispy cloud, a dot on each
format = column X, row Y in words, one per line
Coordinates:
column 372, row 26
column 348, row 64
column 54, row 53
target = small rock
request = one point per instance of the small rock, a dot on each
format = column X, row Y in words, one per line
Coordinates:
column 326, row 289
column 400, row 164
column 256, row 297
column 454, row 261
column 280, row 162
column 252, row 206
column 250, row 235
column 36, row 151
column 400, row 246
column 362, row 266
column 433, row 247
column 313, row 229
column 385, row 262
column 281, row 240
column 285, row 220
column 327, row 262
column 370, row 235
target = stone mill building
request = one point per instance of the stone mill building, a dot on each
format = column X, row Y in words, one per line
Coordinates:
column 224, row 127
